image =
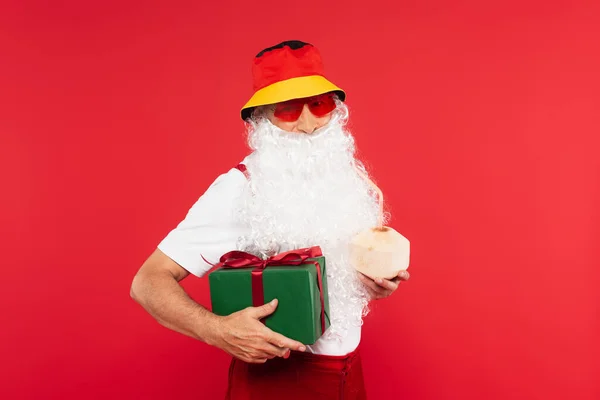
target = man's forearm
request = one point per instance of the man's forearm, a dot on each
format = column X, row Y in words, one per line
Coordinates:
column 163, row 297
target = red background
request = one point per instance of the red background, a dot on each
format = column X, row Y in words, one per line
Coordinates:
column 479, row 121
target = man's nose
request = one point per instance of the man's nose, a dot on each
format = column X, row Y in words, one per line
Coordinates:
column 307, row 122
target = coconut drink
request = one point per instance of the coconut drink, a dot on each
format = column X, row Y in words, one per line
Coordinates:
column 379, row 252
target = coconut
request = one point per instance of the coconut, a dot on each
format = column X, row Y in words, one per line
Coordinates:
column 380, row 252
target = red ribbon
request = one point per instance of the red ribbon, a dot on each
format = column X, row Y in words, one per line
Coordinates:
column 241, row 259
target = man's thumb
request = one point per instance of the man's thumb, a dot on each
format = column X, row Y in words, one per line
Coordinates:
column 265, row 309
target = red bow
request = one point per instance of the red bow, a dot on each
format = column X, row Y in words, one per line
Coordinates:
column 241, row 259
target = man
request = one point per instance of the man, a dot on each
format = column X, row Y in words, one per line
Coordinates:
column 298, row 188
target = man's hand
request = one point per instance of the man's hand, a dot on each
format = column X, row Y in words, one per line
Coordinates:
column 242, row 335
column 382, row 288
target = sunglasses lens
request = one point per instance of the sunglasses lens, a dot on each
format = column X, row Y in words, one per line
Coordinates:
column 319, row 106
column 289, row 111
column 322, row 105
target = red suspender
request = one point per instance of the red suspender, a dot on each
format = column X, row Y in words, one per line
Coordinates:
column 243, row 170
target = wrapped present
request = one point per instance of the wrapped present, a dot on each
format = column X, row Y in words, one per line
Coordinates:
column 297, row 279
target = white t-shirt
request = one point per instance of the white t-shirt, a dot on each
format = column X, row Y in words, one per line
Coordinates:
column 210, row 230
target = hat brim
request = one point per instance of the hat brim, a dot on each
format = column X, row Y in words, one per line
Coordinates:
column 294, row 88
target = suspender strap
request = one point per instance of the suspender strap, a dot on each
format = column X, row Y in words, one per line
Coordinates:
column 242, row 168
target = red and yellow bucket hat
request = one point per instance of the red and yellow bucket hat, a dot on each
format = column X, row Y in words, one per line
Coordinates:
column 286, row 71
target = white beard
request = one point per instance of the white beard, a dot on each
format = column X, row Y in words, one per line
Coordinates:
column 304, row 191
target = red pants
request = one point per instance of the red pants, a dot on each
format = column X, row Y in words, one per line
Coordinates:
column 302, row 376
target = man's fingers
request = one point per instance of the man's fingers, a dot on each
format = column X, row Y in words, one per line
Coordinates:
column 380, row 293
column 403, row 275
column 274, row 338
column 373, row 294
column 274, row 351
column 387, row 284
column 369, row 283
column 264, row 310
column 375, row 291
column 366, row 280
column 283, row 342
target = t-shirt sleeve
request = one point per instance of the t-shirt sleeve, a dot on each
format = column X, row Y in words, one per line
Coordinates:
column 209, row 229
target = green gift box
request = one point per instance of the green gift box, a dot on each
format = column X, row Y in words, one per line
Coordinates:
column 297, row 279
